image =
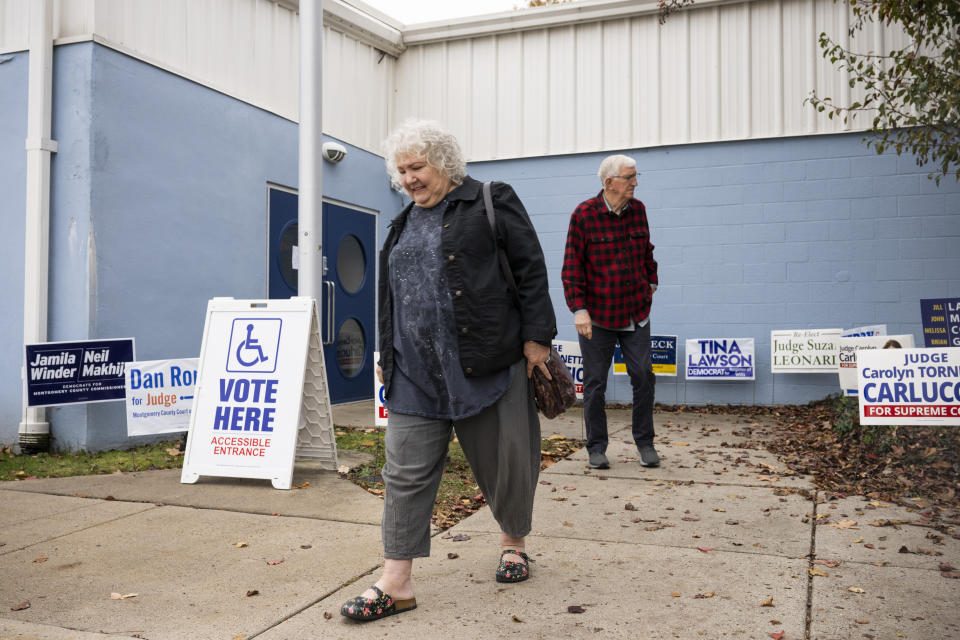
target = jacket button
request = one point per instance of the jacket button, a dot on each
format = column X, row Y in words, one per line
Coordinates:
column 458, row 293
column 450, row 257
column 463, row 330
column 468, row 370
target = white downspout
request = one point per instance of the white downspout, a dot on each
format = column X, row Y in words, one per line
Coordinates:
column 35, row 430
column 310, row 249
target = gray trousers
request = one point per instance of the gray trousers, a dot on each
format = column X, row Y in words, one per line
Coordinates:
column 502, row 445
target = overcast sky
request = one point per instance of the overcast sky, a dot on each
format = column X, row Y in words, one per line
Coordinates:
column 414, row 11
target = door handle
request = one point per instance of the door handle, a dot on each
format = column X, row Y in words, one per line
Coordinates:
column 331, row 302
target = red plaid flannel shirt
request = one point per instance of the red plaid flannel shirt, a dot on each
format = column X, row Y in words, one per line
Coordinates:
column 608, row 263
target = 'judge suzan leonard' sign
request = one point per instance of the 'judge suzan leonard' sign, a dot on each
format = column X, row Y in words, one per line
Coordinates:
column 73, row 372
column 909, row 386
column 720, row 359
column 805, row 350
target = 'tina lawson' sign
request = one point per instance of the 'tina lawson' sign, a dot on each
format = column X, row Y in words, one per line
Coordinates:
column 75, row 372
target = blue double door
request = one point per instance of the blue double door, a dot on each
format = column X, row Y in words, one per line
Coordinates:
column 348, row 301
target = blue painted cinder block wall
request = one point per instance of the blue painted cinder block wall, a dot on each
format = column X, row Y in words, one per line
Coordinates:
column 790, row 233
column 13, row 178
column 159, row 203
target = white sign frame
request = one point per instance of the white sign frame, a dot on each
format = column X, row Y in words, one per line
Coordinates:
column 287, row 332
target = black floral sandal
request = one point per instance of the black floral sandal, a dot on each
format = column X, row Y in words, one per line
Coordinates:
column 510, row 571
column 367, row 609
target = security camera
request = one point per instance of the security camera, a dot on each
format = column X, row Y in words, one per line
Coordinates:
column 333, row 152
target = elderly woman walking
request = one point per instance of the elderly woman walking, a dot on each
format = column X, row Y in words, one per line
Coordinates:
column 457, row 348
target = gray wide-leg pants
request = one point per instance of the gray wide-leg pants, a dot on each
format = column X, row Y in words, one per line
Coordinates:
column 502, row 445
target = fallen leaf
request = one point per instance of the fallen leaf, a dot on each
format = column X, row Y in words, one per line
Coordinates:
column 818, row 572
column 675, row 594
column 516, row 619
column 453, row 556
column 833, row 564
column 239, row 637
column 705, row 549
column 174, row 452
column 460, row 537
column 240, row 544
column 843, row 524
column 629, row 507
column 575, row 608
column 681, row 444
column 302, row 486
column 709, row 594
column 569, row 488
column 862, row 621
column 869, row 546
column 567, row 524
column 20, row 607
column 275, row 562
column 117, row 596
column 306, row 546
column 855, row 590
column 252, row 592
column 327, row 615
column 343, row 469
column 858, row 541
column 559, row 498
column 778, row 636
column 719, row 510
column 768, row 602
column 40, row 559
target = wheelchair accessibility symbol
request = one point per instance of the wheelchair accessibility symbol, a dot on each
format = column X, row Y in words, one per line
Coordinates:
column 254, row 345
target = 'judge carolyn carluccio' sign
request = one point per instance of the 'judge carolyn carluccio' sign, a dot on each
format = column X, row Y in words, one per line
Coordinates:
column 909, row 386
column 72, row 372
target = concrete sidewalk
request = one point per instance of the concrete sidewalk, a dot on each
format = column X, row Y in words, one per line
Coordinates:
column 719, row 542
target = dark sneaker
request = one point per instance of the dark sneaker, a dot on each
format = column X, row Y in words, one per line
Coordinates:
column 598, row 460
column 648, row 456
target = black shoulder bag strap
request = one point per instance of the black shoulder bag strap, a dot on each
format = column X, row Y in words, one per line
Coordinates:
column 491, row 216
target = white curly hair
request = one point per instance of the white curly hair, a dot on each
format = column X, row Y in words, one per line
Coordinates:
column 428, row 140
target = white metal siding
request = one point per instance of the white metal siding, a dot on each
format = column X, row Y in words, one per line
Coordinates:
column 248, row 49
column 588, row 76
column 715, row 71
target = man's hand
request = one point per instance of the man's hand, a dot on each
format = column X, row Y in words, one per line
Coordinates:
column 581, row 320
column 537, row 356
column 380, row 374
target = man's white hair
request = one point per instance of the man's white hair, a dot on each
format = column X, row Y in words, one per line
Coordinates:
column 612, row 165
column 429, row 141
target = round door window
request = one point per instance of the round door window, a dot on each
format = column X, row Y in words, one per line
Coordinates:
column 351, row 264
column 288, row 241
column 350, row 348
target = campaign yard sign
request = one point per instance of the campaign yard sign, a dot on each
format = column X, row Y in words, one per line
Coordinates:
column 77, row 372
column 160, row 395
column 663, row 355
column 569, row 351
column 941, row 322
column 909, row 386
column 379, row 397
column 250, row 402
column 850, row 346
column 869, row 330
column 720, row 359
column 804, row 350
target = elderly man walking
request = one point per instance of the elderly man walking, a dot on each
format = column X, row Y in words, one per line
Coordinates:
column 609, row 276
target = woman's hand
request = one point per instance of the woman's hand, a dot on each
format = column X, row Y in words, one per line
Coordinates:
column 380, row 374
column 537, row 356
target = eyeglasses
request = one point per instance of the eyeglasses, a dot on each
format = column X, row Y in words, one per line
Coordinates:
column 629, row 177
